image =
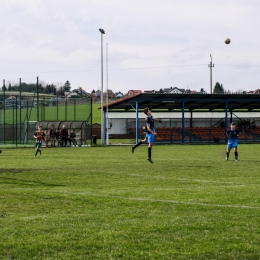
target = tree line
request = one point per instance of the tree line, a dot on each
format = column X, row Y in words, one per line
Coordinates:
column 66, row 87
column 42, row 88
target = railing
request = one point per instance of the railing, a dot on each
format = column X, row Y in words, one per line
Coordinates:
column 192, row 135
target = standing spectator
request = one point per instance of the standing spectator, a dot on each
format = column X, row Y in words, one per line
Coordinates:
column 52, row 135
column 64, row 136
column 73, row 137
column 47, row 137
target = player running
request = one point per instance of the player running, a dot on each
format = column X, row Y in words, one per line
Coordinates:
column 39, row 135
column 232, row 135
column 150, row 133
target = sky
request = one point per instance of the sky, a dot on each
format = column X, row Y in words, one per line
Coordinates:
column 147, row 45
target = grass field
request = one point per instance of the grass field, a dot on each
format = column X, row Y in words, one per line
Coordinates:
column 107, row 203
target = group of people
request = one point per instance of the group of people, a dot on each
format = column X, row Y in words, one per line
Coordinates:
column 247, row 124
column 61, row 136
column 232, row 136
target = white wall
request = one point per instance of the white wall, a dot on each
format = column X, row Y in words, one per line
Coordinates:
column 123, row 120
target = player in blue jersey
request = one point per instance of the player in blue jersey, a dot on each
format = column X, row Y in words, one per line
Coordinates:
column 232, row 135
column 150, row 133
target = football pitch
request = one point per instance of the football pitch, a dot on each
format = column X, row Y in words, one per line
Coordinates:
column 107, row 203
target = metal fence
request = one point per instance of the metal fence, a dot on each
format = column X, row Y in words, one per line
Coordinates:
column 19, row 114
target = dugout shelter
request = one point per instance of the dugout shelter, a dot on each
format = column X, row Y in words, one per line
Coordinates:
column 184, row 114
column 82, row 129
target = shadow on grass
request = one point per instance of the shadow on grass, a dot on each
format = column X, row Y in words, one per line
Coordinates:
column 8, row 180
column 194, row 166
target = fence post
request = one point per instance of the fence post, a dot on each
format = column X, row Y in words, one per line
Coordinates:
column 37, row 94
column 20, row 103
column 4, row 109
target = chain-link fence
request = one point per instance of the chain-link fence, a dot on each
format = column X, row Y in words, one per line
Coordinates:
column 20, row 113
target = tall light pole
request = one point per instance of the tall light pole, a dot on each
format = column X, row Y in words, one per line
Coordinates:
column 107, row 123
column 102, row 121
column 211, row 66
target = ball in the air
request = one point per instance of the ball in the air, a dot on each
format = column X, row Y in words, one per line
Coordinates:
column 227, row 41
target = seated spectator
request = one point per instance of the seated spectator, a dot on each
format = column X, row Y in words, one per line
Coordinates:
column 247, row 123
column 252, row 123
column 73, row 138
column 58, row 137
column 222, row 124
column 243, row 125
column 47, row 137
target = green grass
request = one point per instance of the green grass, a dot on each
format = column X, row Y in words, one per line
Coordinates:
column 80, row 112
column 107, row 203
column 51, row 113
column 96, row 113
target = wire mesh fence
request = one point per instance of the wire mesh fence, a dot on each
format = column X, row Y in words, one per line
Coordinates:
column 20, row 111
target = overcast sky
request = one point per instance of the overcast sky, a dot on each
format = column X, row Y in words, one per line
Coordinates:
column 152, row 44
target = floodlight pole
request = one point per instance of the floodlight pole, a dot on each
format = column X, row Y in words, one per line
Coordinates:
column 211, row 66
column 102, row 120
column 107, row 123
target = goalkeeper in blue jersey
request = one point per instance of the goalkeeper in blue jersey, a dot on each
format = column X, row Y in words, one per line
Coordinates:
column 150, row 133
column 232, row 136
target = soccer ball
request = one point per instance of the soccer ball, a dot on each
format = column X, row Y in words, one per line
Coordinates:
column 227, row 41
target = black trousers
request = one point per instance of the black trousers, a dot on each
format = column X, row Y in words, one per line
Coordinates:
column 63, row 141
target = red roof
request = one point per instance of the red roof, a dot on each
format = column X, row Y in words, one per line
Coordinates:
column 134, row 92
column 120, row 100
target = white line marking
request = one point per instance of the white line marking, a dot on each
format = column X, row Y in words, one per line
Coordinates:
column 190, row 180
column 163, row 201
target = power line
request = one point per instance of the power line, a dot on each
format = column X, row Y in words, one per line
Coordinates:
column 125, row 59
column 137, row 68
column 61, row 71
column 67, row 61
column 162, row 67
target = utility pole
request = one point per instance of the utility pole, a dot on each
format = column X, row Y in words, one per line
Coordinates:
column 102, row 119
column 211, row 66
column 107, row 123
